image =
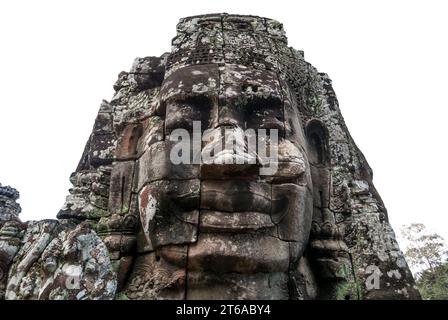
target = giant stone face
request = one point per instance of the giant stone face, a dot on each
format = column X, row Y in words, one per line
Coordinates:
column 226, row 221
column 163, row 207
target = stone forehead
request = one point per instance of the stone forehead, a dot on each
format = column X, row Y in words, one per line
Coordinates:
column 212, row 80
column 191, row 81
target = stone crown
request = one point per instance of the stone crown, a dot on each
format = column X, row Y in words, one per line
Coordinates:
column 227, row 39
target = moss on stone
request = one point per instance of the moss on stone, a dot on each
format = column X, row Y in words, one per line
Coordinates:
column 121, row 296
column 348, row 289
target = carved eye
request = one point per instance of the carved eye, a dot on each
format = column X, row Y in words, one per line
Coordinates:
column 180, row 114
column 266, row 114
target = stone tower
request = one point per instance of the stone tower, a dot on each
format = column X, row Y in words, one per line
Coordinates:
column 147, row 227
column 10, row 228
column 9, row 208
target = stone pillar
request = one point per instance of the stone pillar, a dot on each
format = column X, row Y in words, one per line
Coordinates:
column 10, row 232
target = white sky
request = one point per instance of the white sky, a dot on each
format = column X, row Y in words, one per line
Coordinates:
column 388, row 61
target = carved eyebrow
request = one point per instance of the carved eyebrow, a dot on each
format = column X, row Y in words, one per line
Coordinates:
column 189, row 99
column 186, row 94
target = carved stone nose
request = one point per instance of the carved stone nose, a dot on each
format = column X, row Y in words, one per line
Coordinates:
column 228, row 151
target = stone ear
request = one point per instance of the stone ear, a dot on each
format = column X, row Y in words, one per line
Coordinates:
column 147, row 72
column 317, row 142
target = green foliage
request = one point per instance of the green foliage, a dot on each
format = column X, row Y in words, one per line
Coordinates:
column 426, row 253
column 425, row 250
column 348, row 289
column 121, row 296
column 433, row 285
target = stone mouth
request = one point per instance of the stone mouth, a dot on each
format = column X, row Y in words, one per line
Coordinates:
column 236, row 222
column 241, row 206
column 235, row 196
